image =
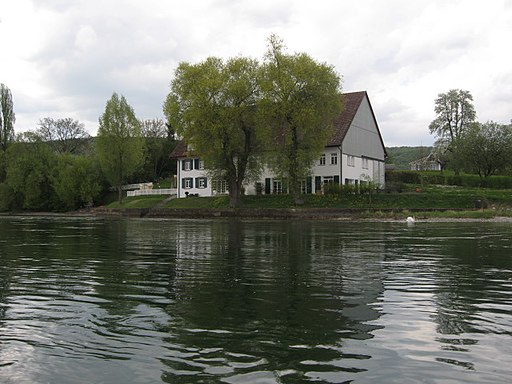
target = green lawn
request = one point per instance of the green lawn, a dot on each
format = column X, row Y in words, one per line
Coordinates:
column 415, row 198
column 430, row 197
column 138, row 202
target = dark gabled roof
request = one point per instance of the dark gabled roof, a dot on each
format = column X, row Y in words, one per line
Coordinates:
column 351, row 103
column 180, row 150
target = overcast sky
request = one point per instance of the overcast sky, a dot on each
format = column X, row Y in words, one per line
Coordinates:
column 65, row 58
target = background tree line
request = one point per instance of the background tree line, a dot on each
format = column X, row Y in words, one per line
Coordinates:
column 465, row 144
column 58, row 166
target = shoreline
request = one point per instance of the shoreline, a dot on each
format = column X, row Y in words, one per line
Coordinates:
column 335, row 214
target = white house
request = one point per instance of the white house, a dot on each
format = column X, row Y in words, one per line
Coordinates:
column 355, row 154
column 428, row 163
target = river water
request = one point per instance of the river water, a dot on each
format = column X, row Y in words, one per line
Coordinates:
column 86, row 300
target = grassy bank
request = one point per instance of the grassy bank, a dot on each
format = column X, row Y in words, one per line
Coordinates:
column 425, row 202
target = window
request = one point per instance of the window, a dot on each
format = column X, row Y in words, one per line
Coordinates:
column 201, row 182
column 219, row 186
column 277, row 187
column 328, row 179
column 322, row 160
column 187, row 165
column 365, row 163
column 351, row 161
column 334, row 158
column 303, row 187
column 188, row 183
column 201, row 164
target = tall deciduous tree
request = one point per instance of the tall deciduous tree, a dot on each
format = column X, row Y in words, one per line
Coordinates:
column 454, row 113
column 119, row 144
column 7, row 117
column 213, row 106
column 301, row 98
column 63, row 135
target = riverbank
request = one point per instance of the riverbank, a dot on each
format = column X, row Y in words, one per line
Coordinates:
column 308, row 213
column 351, row 214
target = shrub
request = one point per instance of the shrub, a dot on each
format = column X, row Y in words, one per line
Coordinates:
column 408, row 177
column 7, row 197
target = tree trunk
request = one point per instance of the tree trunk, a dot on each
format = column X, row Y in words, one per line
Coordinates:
column 234, row 194
column 120, row 194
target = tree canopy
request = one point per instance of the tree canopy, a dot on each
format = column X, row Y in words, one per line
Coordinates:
column 7, row 117
column 158, row 143
column 213, row 105
column 119, row 145
column 301, row 98
column 454, row 112
column 230, row 111
column 63, row 135
column 486, row 148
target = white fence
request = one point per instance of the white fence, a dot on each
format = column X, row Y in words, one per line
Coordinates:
column 128, row 187
column 148, row 192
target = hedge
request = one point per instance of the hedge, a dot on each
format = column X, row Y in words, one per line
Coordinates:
column 437, row 178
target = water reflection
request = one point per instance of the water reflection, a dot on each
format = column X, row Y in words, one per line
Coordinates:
column 263, row 302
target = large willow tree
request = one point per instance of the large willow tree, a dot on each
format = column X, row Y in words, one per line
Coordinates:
column 300, row 99
column 213, row 105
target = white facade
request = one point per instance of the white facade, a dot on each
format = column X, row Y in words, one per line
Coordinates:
column 356, row 156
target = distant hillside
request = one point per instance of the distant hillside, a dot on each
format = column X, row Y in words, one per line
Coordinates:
column 402, row 156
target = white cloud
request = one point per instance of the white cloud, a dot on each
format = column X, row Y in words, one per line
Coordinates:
column 66, row 58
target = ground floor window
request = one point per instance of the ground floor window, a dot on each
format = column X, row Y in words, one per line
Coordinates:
column 277, row 187
column 201, row 182
column 219, row 186
column 188, row 183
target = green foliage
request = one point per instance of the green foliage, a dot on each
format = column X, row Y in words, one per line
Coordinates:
column 212, row 104
column 30, row 168
column 454, row 113
column 301, row 98
column 447, row 178
column 7, row 117
column 6, row 197
column 119, row 145
column 402, row 156
column 486, row 148
column 76, row 181
column 158, row 144
column 428, row 198
column 2, row 165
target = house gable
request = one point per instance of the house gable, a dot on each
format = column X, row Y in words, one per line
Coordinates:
column 362, row 135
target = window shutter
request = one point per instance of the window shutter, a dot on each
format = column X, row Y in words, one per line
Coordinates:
column 318, row 183
column 309, row 187
column 183, row 165
column 337, row 180
column 205, row 182
column 196, row 163
column 183, row 183
column 267, row 186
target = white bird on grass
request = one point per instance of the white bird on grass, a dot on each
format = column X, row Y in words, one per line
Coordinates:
column 410, row 220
